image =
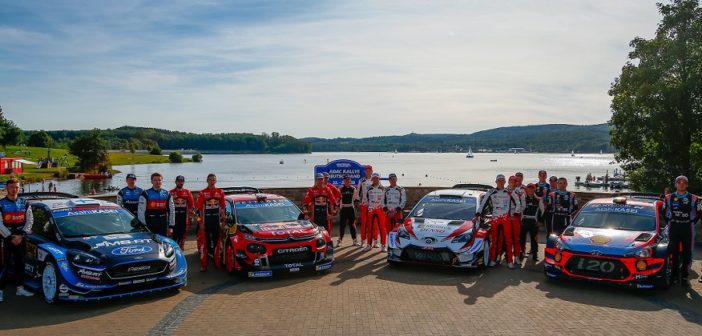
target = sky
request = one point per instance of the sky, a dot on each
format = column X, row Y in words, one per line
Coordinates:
column 314, row 68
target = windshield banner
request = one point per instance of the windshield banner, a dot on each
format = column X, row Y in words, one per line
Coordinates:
column 621, row 208
column 265, row 204
column 67, row 213
column 450, row 200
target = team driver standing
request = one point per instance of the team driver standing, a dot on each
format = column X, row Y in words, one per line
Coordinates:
column 211, row 205
column 395, row 200
column 504, row 206
column 184, row 208
column 681, row 211
column 374, row 197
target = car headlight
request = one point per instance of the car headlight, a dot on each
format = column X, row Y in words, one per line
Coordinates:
column 463, row 237
column 168, row 249
column 559, row 245
column 645, row 252
column 402, row 233
column 321, row 242
column 83, row 258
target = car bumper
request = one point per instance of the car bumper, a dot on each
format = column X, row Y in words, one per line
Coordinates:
column 471, row 257
column 260, row 272
column 556, row 265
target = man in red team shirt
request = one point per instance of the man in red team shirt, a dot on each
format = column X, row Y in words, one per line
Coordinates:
column 210, row 204
column 318, row 203
column 184, row 208
column 337, row 195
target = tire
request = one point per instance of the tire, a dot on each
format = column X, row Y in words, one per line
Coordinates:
column 51, row 281
column 486, row 253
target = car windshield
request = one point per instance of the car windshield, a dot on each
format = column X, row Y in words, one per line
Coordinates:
column 453, row 208
column 95, row 222
column 618, row 218
column 271, row 211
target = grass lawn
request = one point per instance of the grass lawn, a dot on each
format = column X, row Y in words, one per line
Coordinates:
column 122, row 159
column 36, row 153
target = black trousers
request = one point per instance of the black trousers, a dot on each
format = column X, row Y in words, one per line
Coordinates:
column 347, row 216
column 179, row 228
column 529, row 227
column 680, row 234
column 559, row 223
column 211, row 235
column 12, row 262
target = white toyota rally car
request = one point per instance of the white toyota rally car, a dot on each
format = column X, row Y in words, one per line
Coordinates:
column 440, row 230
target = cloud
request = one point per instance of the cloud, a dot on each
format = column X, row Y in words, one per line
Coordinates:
column 347, row 69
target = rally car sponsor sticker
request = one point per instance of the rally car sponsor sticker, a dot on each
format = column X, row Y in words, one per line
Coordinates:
column 600, row 240
column 260, row 274
column 324, row 267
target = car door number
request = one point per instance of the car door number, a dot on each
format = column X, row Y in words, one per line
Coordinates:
column 594, row 265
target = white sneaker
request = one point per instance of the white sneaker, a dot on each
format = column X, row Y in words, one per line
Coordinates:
column 385, row 248
column 2, row 296
column 376, row 244
column 23, row 292
column 367, row 248
column 338, row 243
column 356, row 242
column 510, row 265
column 492, row 264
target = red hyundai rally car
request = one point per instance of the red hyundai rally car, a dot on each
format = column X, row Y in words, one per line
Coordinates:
column 615, row 240
column 268, row 234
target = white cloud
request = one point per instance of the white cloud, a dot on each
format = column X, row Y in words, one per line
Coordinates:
column 360, row 69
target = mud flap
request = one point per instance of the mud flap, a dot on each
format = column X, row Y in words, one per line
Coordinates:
column 218, row 255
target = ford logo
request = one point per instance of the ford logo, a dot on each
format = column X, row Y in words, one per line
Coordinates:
column 131, row 250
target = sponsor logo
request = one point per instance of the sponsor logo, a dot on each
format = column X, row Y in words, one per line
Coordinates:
column 54, row 250
column 293, row 265
column 122, row 242
column 118, row 236
column 89, row 275
column 429, row 241
column 644, row 286
column 138, row 268
column 260, row 274
column 324, row 267
column 295, row 269
column 131, row 250
column 292, row 250
column 600, row 240
column 596, row 253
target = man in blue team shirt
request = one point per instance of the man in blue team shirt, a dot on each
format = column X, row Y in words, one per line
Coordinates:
column 128, row 197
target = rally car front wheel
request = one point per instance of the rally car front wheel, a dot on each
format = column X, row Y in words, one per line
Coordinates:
column 51, row 282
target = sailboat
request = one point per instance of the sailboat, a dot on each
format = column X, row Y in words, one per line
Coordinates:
column 470, row 153
column 572, row 153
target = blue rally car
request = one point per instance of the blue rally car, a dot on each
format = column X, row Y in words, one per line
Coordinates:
column 619, row 240
column 84, row 249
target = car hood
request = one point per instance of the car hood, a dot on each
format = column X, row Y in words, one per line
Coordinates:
column 300, row 228
column 423, row 228
column 606, row 241
column 144, row 245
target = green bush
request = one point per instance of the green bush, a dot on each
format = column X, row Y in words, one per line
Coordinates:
column 155, row 150
column 175, row 157
column 197, row 157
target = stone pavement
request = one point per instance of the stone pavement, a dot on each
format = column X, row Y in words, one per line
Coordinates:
column 362, row 295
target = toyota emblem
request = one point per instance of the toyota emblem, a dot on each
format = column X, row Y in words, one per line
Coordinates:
column 429, row 241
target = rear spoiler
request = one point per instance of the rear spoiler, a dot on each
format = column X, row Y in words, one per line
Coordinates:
column 472, row 186
column 41, row 195
column 240, row 190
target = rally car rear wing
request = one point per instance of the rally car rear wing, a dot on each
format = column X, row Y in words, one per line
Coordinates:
column 43, row 195
column 240, row 190
column 472, row 186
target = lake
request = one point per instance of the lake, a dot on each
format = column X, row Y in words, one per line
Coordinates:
column 413, row 169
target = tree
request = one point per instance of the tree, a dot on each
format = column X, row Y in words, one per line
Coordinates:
column 91, row 150
column 40, row 139
column 197, row 157
column 155, row 150
column 10, row 134
column 175, row 157
column 657, row 102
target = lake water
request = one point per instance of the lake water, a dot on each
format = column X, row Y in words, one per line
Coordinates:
column 413, row 169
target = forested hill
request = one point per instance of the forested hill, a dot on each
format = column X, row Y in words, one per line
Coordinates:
column 553, row 138
column 129, row 137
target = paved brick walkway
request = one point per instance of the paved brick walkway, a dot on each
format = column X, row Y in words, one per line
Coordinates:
column 362, row 295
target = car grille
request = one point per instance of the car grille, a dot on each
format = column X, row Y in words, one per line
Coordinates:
column 286, row 258
column 597, row 267
column 287, row 240
column 443, row 257
column 132, row 270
